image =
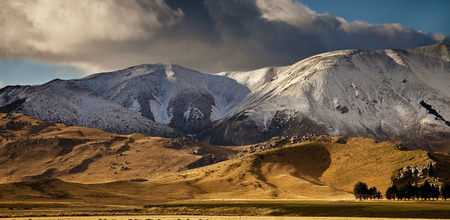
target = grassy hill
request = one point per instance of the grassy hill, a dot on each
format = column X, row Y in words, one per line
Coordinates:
column 93, row 166
column 33, row 149
column 305, row 170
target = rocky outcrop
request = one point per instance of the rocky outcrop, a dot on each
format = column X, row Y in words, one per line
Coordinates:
column 209, row 154
column 181, row 143
column 415, row 172
column 205, row 160
column 277, row 142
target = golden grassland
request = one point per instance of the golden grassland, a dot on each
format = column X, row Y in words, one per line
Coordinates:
column 33, row 149
column 301, row 171
column 74, row 168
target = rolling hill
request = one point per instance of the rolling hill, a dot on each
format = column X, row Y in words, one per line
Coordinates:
column 93, row 166
column 33, row 149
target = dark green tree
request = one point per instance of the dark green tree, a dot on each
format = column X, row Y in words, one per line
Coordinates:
column 360, row 190
column 445, row 191
column 401, row 191
column 425, row 190
column 434, row 192
column 391, row 192
column 409, row 191
column 417, row 192
column 378, row 195
column 372, row 192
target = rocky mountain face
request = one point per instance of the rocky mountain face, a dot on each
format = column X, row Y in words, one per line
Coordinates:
column 386, row 94
column 382, row 94
column 158, row 100
column 183, row 99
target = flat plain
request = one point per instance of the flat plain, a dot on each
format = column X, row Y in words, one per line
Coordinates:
column 185, row 217
column 229, row 209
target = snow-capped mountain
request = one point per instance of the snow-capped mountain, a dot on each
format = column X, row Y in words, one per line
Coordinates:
column 385, row 94
column 66, row 102
column 351, row 92
column 162, row 99
column 184, row 99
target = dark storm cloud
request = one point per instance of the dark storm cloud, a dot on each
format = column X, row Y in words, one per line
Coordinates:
column 197, row 20
column 207, row 35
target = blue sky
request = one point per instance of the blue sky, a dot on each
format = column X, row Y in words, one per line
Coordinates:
column 28, row 72
column 44, row 40
column 428, row 16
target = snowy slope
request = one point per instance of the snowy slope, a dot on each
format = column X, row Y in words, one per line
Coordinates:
column 64, row 101
column 164, row 95
column 182, row 98
column 355, row 93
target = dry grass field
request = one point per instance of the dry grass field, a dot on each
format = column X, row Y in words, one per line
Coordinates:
column 235, row 209
column 195, row 217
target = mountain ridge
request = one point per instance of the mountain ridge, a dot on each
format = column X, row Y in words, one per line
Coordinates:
column 388, row 118
column 349, row 92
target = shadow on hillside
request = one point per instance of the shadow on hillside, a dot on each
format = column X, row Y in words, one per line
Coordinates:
column 306, row 162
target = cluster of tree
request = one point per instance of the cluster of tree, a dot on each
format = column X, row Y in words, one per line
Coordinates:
column 361, row 192
column 425, row 192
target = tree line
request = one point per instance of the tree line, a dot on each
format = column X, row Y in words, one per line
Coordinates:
column 361, row 192
column 406, row 191
column 426, row 191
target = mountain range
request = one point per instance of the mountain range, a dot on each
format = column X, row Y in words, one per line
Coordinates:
column 389, row 94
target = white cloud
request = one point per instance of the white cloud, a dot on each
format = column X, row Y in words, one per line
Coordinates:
column 47, row 26
column 296, row 14
column 439, row 37
column 293, row 13
column 87, row 68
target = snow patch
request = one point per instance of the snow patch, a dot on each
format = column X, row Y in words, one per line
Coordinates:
column 159, row 112
column 396, row 57
column 136, row 107
column 193, row 113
